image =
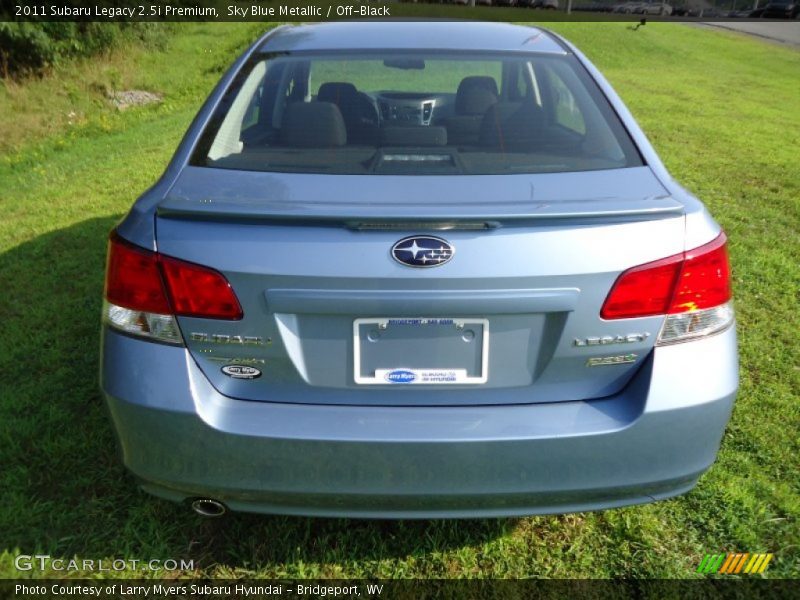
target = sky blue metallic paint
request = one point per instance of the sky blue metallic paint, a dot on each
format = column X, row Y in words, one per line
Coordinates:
column 547, row 436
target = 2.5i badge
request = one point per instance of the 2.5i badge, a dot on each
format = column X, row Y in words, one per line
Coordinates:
column 241, row 371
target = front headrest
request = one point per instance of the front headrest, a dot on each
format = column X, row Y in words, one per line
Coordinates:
column 512, row 126
column 335, row 91
column 475, row 95
column 313, row 125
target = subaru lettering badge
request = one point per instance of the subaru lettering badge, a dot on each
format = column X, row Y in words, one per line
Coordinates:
column 422, row 251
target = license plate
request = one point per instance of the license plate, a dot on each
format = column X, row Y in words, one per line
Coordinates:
column 421, row 351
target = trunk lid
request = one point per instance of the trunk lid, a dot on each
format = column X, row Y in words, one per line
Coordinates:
column 330, row 317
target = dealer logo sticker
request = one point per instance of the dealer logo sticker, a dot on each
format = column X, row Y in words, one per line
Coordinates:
column 241, row 371
column 400, row 376
column 422, row 376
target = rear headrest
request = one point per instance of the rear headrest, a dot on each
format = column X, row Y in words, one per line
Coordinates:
column 335, row 91
column 475, row 94
column 313, row 125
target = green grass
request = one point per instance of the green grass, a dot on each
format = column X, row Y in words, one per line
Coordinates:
column 721, row 111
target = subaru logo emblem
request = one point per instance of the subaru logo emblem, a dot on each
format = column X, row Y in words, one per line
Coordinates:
column 422, row 251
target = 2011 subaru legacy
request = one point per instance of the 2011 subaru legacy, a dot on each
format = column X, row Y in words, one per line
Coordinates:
column 417, row 270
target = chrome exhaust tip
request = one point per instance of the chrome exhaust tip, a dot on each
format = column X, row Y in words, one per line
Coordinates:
column 206, row 507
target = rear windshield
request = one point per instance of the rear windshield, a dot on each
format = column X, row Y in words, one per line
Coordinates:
column 414, row 113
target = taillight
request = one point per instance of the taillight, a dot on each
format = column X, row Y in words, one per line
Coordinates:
column 693, row 288
column 643, row 291
column 705, row 279
column 196, row 291
column 144, row 292
column 133, row 279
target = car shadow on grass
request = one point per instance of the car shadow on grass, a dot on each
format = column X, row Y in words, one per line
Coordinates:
column 64, row 490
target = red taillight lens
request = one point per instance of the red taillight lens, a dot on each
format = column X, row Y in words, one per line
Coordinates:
column 644, row 290
column 143, row 280
column 685, row 282
column 197, row 291
column 705, row 279
column 133, row 279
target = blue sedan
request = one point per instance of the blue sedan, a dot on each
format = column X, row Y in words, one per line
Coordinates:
column 417, row 270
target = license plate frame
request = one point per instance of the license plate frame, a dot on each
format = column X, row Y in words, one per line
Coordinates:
column 406, row 375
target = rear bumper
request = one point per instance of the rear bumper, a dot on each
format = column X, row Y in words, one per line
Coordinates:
column 184, row 439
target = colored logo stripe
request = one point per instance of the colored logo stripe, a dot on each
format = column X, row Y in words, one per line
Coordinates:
column 734, row 562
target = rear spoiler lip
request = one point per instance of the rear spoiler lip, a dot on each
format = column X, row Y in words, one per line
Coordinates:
column 452, row 216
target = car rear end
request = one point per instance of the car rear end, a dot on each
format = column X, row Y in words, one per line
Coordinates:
column 440, row 330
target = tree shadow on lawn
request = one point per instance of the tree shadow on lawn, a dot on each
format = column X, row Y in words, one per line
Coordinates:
column 64, row 490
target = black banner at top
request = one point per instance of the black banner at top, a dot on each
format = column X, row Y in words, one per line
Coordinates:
column 323, row 10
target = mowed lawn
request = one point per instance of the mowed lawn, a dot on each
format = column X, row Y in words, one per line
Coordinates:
column 721, row 109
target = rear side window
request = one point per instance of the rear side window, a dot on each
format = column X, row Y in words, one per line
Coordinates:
column 414, row 113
